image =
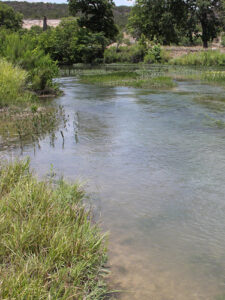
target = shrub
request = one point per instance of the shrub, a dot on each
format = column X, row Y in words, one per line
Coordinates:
column 68, row 43
column 12, row 84
column 23, row 51
column 156, row 55
column 124, row 54
column 10, row 19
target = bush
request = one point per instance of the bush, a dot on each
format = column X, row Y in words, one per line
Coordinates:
column 49, row 247
column 12, row 84
column 156, row 55
column 9, row 19
column 23, row 51
column 69, row 44
column 124, row 54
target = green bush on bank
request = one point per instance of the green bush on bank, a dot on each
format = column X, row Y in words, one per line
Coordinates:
column 156, row 55
column 136, row 53
column 22, row 50
column 12, row 84
column 49, row 247
column 204, row 58
column 124, row 54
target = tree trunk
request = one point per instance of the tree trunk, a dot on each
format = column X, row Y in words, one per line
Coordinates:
column 205, row 43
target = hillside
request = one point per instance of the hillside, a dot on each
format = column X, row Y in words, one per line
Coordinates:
column 57, row 11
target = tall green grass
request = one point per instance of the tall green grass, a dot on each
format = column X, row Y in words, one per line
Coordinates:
column 12, row 84
column 49, row 247
column 204, row 58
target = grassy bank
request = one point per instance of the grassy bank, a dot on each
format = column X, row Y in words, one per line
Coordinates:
column 49, row 247
column 137, row 79
column 203, row 58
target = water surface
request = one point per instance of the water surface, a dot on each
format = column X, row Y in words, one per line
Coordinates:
column 154, row 165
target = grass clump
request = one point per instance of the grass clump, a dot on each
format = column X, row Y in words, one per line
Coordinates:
column 137, row 79
column 49, row 248
column 12, row 84
column 214, row 77
column 204, row 58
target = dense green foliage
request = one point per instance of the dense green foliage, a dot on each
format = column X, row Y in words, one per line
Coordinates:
column 9, row 19
column 68, row 43
column 124, row 54
column 22, row 50
column 139, row 52
column 12, row 84
column 171, row 21
column 204, row 58
column 49, row 247
column 159, row 19
column 96, row 16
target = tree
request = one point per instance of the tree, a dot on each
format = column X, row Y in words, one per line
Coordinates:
column 170, row 20
column 210, row 14
column 68, row 43
column 10, row 19
column 158, row 19
column 95, row 15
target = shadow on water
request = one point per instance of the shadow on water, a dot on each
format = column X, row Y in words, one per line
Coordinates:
column 154, row 166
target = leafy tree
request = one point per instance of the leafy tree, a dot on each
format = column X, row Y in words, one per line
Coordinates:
column 170, row 20
column 10, row 19
column 68, row 43
column 158, row 19
column 95, row 15
column 210, row 14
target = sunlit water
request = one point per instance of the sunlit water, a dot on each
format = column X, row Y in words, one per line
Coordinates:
column 154, row 165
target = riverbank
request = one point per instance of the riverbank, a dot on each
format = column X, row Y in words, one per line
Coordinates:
column 50, row 248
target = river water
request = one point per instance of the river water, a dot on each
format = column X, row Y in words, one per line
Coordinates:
column 153, row 164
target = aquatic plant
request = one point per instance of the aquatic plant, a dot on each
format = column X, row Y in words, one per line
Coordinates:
column 138, row 78
column 214, row 76
column 31, row 123
column 50, row 248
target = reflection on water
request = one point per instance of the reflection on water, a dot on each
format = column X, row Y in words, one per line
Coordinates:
column 154, row 164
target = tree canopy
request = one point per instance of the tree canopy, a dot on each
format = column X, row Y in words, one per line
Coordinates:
column 10, row 19
column 170, row 20
column 95, row 15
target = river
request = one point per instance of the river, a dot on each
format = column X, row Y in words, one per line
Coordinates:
column 153, row 164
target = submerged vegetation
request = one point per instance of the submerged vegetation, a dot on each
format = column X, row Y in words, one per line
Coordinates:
column 31, row 123
column 138, row 79
column 50, row 248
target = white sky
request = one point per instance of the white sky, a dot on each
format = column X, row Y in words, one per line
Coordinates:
column 117, row 2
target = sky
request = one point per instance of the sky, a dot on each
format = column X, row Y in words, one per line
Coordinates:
column 117, row 2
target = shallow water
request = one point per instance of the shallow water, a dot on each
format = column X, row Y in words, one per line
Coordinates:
column 154, row 165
